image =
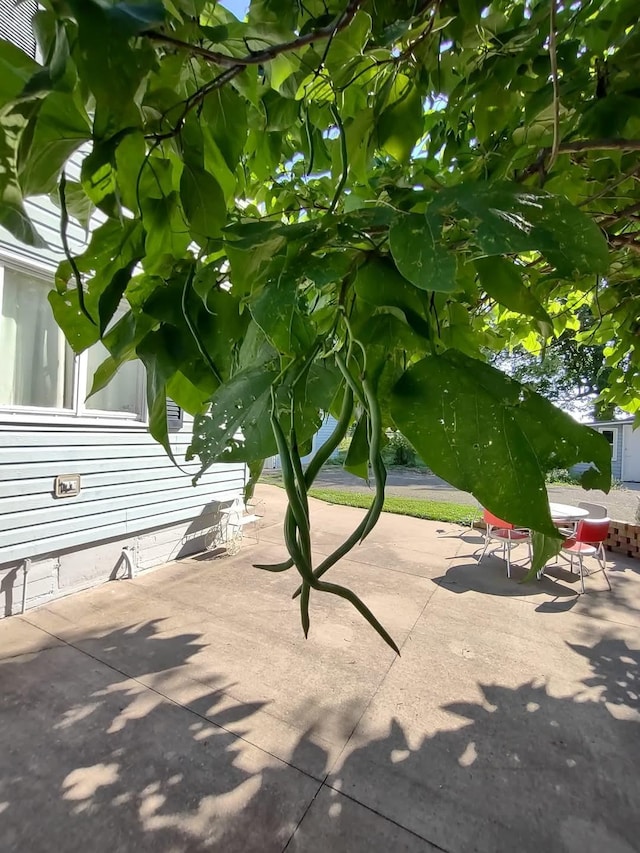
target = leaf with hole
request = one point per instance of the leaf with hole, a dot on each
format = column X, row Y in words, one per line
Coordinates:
column 486, row 434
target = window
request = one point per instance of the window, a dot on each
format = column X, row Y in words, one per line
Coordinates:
column 123, row 393
column 37, row 363
column 40, row 373
column 611, row 434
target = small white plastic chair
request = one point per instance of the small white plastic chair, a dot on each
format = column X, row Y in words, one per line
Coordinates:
column 594, row 510
column 236, row 520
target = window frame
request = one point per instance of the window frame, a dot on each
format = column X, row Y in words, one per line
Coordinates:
column 80, row 414
column 614, row 444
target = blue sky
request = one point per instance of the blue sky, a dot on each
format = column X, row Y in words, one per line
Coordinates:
column 238, row 7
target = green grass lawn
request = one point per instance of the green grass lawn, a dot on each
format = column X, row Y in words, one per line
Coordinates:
column 435, row 510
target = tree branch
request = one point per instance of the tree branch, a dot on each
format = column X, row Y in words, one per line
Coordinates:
column 260, row 56
column 625, row 241
column 611, row 218
column 578, row 147
column 195, row 99
column 611, row 186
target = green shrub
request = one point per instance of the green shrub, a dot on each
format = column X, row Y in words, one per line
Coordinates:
column 399, row 451
column 561, row 475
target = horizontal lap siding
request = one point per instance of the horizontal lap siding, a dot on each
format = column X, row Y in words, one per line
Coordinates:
column 616, row 464
column 128, row 485
column 45, row 216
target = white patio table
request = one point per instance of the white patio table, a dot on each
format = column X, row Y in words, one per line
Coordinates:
column 565, row 514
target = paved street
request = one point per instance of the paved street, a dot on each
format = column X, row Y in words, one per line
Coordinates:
column 621, row 502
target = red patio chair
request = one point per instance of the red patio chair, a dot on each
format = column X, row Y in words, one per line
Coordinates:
column 589, row 542
column 508, row 534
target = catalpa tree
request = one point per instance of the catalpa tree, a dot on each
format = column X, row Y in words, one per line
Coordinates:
column 344, row 206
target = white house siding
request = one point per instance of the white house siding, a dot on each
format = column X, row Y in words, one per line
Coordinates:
column 631, row 454
column 131, row 495
column 319, row 439
column 616, row 464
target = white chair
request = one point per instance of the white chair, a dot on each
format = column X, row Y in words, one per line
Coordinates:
column 594, row 510
column 236, row 518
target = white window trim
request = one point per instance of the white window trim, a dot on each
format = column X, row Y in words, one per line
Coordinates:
column 80, row 414
column 614, row 446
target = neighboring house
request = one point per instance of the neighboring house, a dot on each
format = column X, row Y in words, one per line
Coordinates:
column 625, row 449
column 319, row 439
column 134, row 507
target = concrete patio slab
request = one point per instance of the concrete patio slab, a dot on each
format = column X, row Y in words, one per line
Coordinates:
column 92, row 760
column 350, row 827
column 184, row 711
column 25, row 638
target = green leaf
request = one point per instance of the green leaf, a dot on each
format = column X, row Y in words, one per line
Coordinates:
column 225, row 115
column 15, row 219
column 53, row 41
column 13, row 215
column 192, row 398
column 79, row 205
column 277, row 313
column 111, row 295
column 53, row 133
column 120, row 341
column 379, row 283
column 281, row 112
column 78, row 330
column 237, row 428
column 357, row 461
column 167, row 233
column 129, row 158
column 109, row 63
column 510, row 220
column 419, row 254
column 544, row 548
column 159, row 372
column 503, row 282
column 107, row 263
column 485, row 433
column 203, row 202
column 401, row 122
column 16, row 68
column 251, row 248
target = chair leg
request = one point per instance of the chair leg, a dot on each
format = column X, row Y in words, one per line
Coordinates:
column 486, row 545
column 508, row 556
column 581, row 573
column 603, row 564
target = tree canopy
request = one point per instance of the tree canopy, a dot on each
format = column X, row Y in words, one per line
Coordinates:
column 342, row 206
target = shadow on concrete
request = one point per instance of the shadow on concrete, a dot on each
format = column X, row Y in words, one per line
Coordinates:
column 490, row 577
column 7, row 585
column 94, row 755
column 559, row 582
column 616, row 672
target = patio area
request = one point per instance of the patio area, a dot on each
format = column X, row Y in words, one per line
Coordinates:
column 183, row 710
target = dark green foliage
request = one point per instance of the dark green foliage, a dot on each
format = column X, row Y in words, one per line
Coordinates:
column 361, row 200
